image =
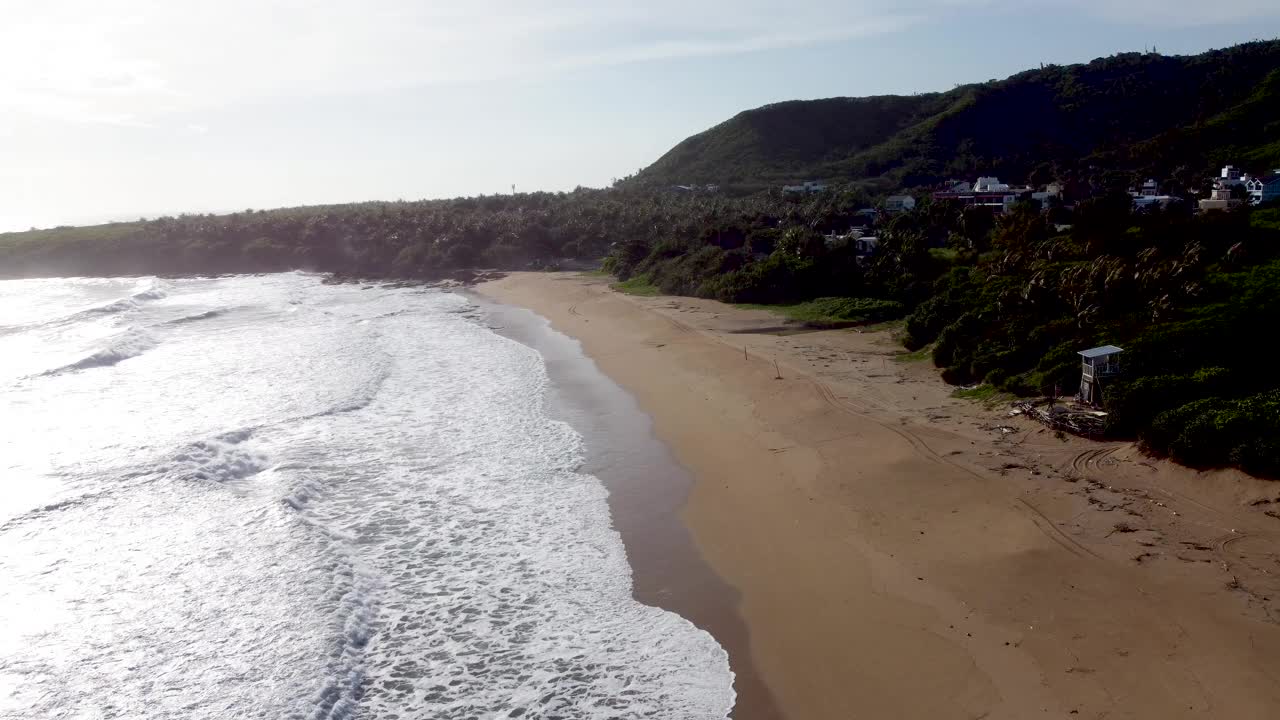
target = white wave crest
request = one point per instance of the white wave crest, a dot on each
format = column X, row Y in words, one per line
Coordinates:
column 154, row 289
column 223, row 459
column 206, row 315
column 111, row 308
column 132, row 343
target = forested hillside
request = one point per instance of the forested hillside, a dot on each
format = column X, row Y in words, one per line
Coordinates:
column 1009, row 302
column 427, row 239
column 1164, row 116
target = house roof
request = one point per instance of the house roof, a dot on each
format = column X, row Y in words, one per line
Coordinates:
column 1100, row 351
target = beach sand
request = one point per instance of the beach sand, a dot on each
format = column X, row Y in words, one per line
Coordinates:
column 897, row 553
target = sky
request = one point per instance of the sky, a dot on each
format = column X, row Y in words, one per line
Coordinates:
column 119, row 109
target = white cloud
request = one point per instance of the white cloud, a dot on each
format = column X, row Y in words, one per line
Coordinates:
column 127, row 61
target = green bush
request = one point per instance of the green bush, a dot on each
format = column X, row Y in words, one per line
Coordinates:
column 1218, row 431
column 1133, row 404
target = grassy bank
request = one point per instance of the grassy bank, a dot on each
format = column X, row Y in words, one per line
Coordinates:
column 638, row 285
column 835, row 311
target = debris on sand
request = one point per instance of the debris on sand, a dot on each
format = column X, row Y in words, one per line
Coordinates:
column 1076, row 419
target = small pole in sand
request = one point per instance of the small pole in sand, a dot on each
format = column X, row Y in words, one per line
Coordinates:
column 776, row 370
column 744, row 352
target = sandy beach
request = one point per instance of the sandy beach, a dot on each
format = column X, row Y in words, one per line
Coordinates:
column 898, row 553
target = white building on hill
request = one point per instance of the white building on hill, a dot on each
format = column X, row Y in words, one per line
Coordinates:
column 899, row 203
column 989, row 185
column 812, row 186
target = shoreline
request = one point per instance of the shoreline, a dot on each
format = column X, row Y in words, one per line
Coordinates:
column 647, row 490
column 900, row 553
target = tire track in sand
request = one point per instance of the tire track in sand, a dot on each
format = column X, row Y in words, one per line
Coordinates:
column 1038, row 518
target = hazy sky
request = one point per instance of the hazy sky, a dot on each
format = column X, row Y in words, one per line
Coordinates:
column 115, row 109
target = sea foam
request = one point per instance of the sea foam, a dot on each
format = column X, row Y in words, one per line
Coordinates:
column 336, row 504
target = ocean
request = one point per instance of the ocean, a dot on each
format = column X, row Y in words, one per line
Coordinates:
column 268, row 497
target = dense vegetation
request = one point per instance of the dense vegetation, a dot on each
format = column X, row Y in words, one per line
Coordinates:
column 1163, row 116
column 1009, row 302
column 1185, row 296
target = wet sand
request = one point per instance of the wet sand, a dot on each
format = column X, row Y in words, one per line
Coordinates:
column 647, row 491
column 898, row 553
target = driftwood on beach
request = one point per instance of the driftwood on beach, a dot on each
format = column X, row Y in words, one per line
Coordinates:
column 1078, row 420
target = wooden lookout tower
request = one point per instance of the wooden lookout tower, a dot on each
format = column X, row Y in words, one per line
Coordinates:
column 1101, row 364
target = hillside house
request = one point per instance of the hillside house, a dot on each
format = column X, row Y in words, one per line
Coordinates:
column 899, row 203
column 811, row 186
column 1264, row 189
column 1147, row 196
column 1052, row 190
column 864, row 247
column 1099, row 366
column 711, row 188
column 990, row 193
column 1220, row 199
column 989, row 185
column 998, row 202
column 1148, row 189
column 1230, row 175
column 1253, row 186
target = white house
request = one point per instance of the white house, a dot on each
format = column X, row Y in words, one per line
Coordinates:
column 1051, row 190
column 989, row 185
column 812, row 186
column 1230, row 176
column 1220, row 199
column 987, row 192
column 1253, row 186
column 899, row 203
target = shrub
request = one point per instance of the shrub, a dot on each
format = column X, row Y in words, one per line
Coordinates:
column 1216, row 431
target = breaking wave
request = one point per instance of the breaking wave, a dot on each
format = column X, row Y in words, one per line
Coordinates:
column 206, row 315
column 156, row 289
column 112, row 308
column 132, row 343
column 224, row 459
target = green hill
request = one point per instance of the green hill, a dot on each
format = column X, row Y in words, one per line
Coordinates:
column 1168, row 116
